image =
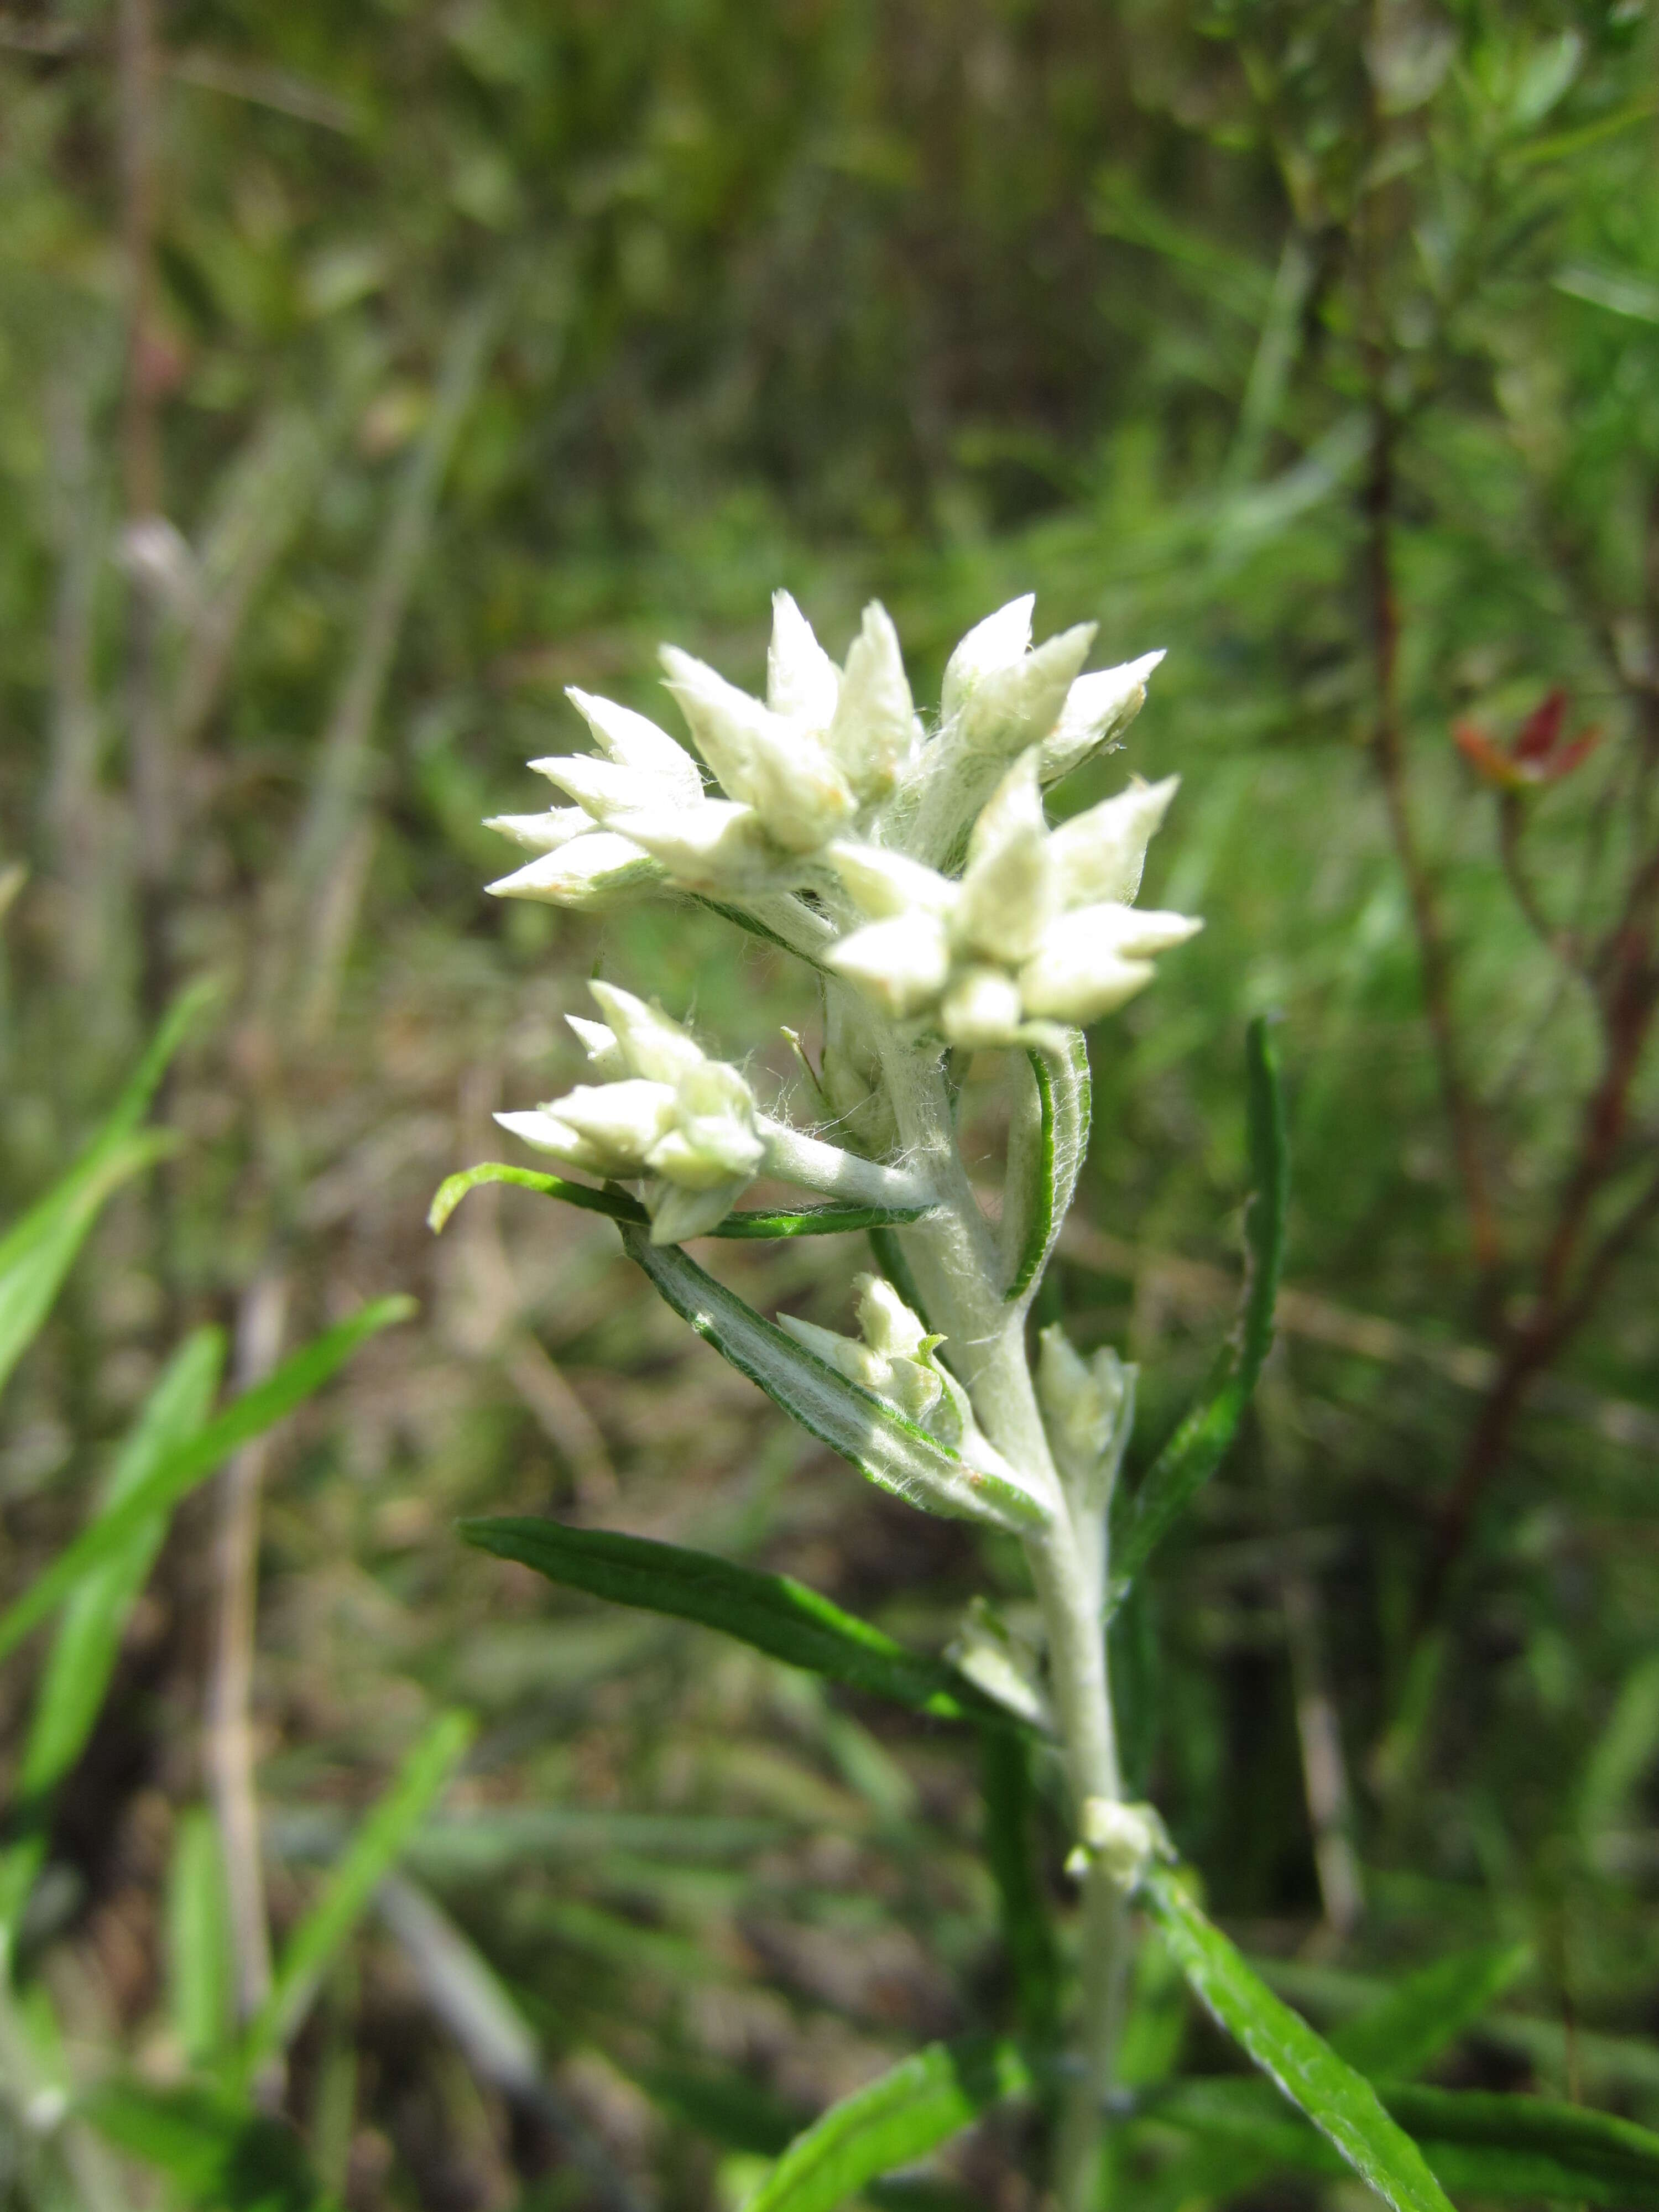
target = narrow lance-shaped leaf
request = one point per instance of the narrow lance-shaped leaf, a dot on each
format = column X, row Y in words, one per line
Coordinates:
column 1476, row 2142
column 1201, row 1443
column 349, row 1885
column 1342, row 2104
column 1396, row 2038
column 89, row 1639
column 750, row 1224
column 909, row 2111
column 777, row 1615
column 178, row 1471
column 1049, row 1164
column 879, row 1442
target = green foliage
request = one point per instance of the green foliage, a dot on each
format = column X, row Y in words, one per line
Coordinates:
column 367, row 1860
column 178, row 1470
column 219, row 2154
column 752, row 1222
column 1201, row 1441
column 1341, row 2103
column 1398, row 2036
column 922, row 2103
column 777, row 1615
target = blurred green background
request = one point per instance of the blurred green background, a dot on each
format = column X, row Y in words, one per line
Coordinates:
column 370, row 371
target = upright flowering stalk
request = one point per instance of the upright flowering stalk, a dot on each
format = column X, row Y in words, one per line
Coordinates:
column 912, row 866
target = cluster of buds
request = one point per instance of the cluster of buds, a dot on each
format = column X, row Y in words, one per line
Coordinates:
column 893, row 1357
column 1039, row 927
column 832, row 756
column 666, row 1114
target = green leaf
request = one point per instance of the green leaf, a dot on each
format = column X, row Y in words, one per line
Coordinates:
column 199, row 1974
column 1342, row 2104
column 1491, row 2145
column 1042, row 1174
column 1198, row 1447
column 1396, row 2038
column 89, row 1640
column 219, row 2154
column 800, row 1221
column 777, row 1615
column 1027, row 1935
column 351, row 1882
column 906, row 2113
column 179, row 1470
column 37, row 1251
column 891, row 1451
column 1474, row 2141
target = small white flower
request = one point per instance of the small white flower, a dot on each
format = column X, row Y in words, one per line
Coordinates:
column 1100, row 854
column 874, row 734
column 684, row 1124
column 779, row 765
column 543, row 833
column 893, row 1360
column 902, row 963
column 594, row 872
column 1098, row 708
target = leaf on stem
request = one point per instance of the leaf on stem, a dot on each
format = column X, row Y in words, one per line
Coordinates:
column 773, row 1613
column 1198, row 1445
column 892, row 1451
column 906, row 2113
column 177, row 1471
column 1052, row 1163
column 798, row 1221
column 1476, row 2142
column 1342, row 2104
column 353, row 1880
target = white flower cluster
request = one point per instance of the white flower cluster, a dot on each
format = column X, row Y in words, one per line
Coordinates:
column 666, row 1112
column 893, row 1357
column 832, row 791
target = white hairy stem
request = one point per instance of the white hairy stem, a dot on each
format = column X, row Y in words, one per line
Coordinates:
column 959, row 1271
column 817, row 1166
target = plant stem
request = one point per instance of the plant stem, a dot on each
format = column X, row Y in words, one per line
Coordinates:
column 956, row 1262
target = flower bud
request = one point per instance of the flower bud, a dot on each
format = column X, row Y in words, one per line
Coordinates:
column 665, row 772
column 1014, row 706
column 1099, row 855
column 982, row 1008
column 588, row 873
column 873, row 735
column 601, row 1048
column 1008, row 894
column 802, row 682
column 650, row 1042
column 887, row 1323
column 543, row 833
column 621, row 1122
column 1002, row 1664
column 715, row 846
column 902, row 964
column 999, row 642
column 544, row 1131
column 882, row 884
column 677, row 1212
column 779, row 768
column 1098, row 708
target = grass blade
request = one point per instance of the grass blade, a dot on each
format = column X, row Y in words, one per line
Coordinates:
column 1342, row 2104
column 1028, row 1937
column 37, row 1251
column 891, row 1451
column 774, row 1613
column 1476, row 2142
column 349, row 1885
column 88, row 1641
column 199, row 1972
column 1201, row 1441
column 799, row 1221
column 178, row 1471
column 906, row 2113
column 1422, row 2015
column 218, row 2153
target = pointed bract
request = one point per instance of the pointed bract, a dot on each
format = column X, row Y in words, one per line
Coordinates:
column 543, row 833
column 594, row 872
column 634, row 742
column 1098, row 708
column 802, row 682
column 651, row 1043
column 902, row 963
column 873, row 736
column 999, row 642
column 1100, row 854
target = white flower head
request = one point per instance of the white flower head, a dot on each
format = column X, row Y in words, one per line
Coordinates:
column 668, row 1115
column 893, row 1359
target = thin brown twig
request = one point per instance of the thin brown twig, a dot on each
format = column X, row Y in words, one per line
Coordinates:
column 229, row 1752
